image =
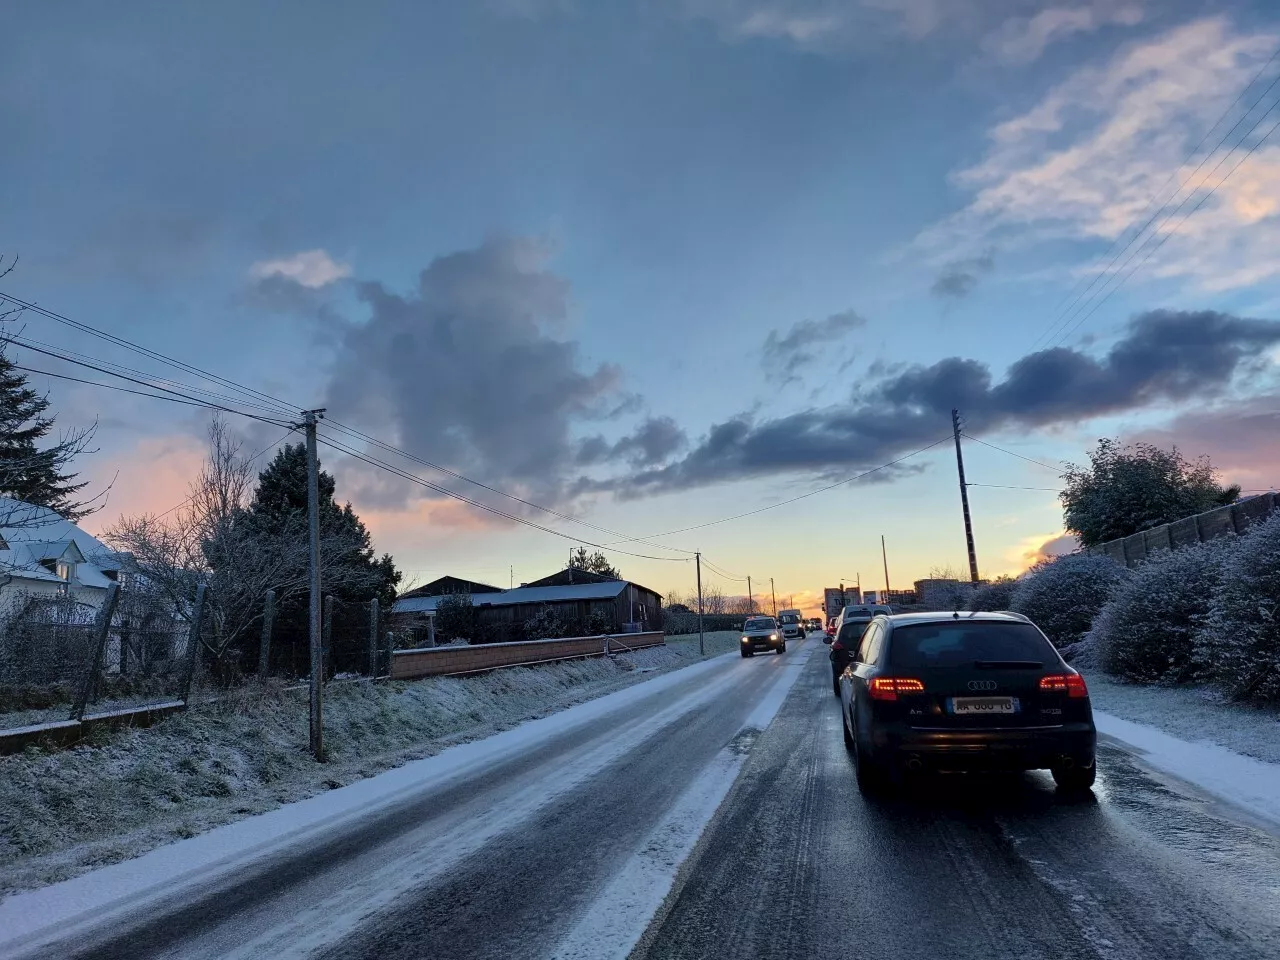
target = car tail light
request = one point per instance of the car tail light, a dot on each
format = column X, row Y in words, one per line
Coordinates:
column 1072, row 684
column 837, row 645
column 888, row 688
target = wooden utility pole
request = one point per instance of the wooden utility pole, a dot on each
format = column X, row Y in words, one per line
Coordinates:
column 774, row 592
column 702, row 644
column 964, row 499
column 316, row 626
column 885, row 556
column 751, row 600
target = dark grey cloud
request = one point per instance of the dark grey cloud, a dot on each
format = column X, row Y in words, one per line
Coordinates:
column 655, row 441
column 1164, row 356
column 468, row 370
column 788, row 353
column 959, row 277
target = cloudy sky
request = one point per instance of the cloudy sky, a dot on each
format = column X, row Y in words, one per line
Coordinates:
column 654, row 264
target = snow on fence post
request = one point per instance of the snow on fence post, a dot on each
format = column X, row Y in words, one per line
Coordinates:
column 373, row 637
column 391, row 647
column 193, row 641
column 268, row 623
column 101, row 630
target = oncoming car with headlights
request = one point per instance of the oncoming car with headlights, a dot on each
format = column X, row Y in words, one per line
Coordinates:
column 761, row 633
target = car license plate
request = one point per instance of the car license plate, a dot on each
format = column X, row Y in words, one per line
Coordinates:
column 983, row 705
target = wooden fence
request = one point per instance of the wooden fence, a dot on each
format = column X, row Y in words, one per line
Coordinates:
column 1219, row 522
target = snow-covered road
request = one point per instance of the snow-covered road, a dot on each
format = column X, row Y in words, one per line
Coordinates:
column 707, row 813
column 557, row 838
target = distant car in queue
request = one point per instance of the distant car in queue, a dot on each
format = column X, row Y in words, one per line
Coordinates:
column 791, row 624
column 761, row 633
column 849, row 625
column 831, row 626
column 950, row 691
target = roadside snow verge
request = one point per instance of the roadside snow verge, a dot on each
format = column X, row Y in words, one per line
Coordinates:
column 1252, row 785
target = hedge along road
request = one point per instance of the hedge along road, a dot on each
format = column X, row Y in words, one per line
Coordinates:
column 559, row 839
column 556, row 838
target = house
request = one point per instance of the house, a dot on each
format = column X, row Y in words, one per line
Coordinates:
column 43, row 555
column 501, row 614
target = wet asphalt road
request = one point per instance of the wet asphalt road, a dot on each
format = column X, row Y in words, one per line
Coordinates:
column 506, row 862
column 798, row 864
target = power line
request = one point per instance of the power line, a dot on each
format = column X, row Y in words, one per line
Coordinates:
column 1039, row 463
column 284, row 407
column 1165, row 238
column 351, row 431
column 1061, row 316
column 1003, row 486
column 811, row 493
column 720, row 571
column 115, row 368
column 110, row 386
column 142, row 383
column 404, row 474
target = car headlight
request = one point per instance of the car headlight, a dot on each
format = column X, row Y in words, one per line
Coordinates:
column 773, row 636
column 744, row 639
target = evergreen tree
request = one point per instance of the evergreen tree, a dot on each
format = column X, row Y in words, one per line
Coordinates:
column 28, row 472
column 279, row 510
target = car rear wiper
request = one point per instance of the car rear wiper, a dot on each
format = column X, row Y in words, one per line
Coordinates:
column 1008, row 664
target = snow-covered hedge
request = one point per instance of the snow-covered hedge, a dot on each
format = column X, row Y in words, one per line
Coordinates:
column 1238, row 644
column 996, row 595
column 1147, row 633
column 1062, row 596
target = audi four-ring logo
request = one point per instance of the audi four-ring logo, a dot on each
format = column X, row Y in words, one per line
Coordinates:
column 982, row 684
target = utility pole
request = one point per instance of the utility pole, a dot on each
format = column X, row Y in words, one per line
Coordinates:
column 773, row 591
column 702, row 644
column 309, row 419
column 885, row 556
column 751, row 600
column 964, row 499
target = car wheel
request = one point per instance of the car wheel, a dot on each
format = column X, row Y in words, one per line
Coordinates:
column 849, row 743
column 1075, row 778
column 835, row 683
column 745, row 654
column 782, row 648
column 870, row 775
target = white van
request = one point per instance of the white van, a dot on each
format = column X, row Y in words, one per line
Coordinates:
column 791, row 622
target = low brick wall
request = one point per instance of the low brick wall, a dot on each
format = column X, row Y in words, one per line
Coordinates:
column 445, row 661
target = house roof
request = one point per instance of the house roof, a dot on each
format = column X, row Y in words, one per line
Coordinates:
column 442, row 586
column 30, row 534
column 605, row 590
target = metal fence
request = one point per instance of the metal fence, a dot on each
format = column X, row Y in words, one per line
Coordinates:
column 62, row 660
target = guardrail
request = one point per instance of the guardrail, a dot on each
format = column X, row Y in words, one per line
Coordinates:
column 478, row 658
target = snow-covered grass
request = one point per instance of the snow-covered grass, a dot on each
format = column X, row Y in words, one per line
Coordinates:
column 64, row 812
column 1191, row 713
column 722, row 641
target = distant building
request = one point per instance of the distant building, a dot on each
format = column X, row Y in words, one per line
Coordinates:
column 501, row 614
column 944, row 593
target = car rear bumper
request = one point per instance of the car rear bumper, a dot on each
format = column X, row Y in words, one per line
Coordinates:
column 1032, row 748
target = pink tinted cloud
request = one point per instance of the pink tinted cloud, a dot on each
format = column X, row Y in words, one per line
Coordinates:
column 1239, row 440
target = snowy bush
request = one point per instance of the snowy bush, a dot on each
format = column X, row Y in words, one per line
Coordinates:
column 546, row 624
column 1146, row 634
column 995, row 595
column 1062, row 596
column 1239, row 642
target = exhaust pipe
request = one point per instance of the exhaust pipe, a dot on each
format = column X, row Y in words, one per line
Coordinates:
column 1067, row 762
column 915, row 764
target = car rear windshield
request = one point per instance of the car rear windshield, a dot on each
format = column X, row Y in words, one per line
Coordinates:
column 961, row 644
column 761, row 623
